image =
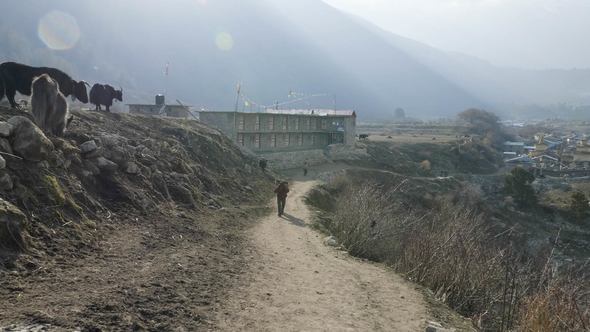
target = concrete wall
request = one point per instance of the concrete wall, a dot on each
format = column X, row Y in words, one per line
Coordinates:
column 263, row 132
column 175, row 111
column 224, row 121
column 295, row 159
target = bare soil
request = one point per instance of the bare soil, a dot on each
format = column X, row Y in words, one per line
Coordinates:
column 157, row 273
column 297, row 283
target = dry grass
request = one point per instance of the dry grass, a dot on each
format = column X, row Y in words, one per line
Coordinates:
column 451, row 250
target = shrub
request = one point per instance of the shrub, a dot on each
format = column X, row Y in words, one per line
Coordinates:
column 451, row 250
column 579, row 205
column 518, row 185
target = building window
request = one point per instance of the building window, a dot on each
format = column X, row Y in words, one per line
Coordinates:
column 271, row 123
column 240, row 139
column 257, row 126
column 307, row 123
column 313, row 140
column 241, row 122
column 273, row 140
column 313, row 123
column 324, row 124
column 284, row 123
column 257, row 141
column 300, row 139
column 297, row 123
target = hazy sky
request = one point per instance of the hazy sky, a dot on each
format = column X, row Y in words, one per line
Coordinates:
column 519, row 33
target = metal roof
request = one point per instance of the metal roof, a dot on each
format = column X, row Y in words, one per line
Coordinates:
column 514, row 143
column 319, row 112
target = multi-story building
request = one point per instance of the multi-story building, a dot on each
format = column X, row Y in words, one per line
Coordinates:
column 285, row 130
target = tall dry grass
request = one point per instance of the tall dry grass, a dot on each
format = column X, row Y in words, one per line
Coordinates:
column 451, row 250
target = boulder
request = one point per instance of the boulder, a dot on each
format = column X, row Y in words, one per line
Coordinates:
column 13, row 223
column 6, row 183
column 118, row 155
column 106, row 165
column 436, row 327
column 5, row 146
column 28, row 141
column 88, row 147
column 6, row 129
column 132, row 168
column 331, row 241
column 90, row 167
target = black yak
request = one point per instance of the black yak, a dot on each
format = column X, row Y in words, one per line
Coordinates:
column 19, row 77
column 104, row 95
column 49, row 106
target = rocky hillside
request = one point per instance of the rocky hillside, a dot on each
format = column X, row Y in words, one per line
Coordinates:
column 101, row 222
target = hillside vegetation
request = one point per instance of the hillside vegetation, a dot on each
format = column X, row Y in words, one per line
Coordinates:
column 123, row 222
column 493, row 261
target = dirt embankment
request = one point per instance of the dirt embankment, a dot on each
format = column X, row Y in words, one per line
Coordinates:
column 131, row 223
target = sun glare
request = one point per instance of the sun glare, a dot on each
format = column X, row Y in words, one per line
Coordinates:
column 58, row 30
column 224, row 41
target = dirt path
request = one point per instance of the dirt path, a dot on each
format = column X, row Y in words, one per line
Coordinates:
column 296, row 283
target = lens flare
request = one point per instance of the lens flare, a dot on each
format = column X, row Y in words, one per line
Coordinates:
column 58, row 30
column 224, row 41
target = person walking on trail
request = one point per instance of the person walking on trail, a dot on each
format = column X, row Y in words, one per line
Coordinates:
column 282, row 190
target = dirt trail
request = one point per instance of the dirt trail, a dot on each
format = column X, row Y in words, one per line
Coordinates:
column 297, row 283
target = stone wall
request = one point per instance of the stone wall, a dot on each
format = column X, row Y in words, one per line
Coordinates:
column 333, row 153
column 288, row 160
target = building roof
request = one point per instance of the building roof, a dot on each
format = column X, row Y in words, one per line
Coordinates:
column 545, row 156
column 152, row 105
column 514, row 143
column 520, row 159
column 320, row 112
column 314, row 112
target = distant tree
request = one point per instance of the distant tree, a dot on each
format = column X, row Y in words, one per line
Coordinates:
column 579, row 205
column 518, row 185
column 400, row 113
column 480, row 119
column 485, row 124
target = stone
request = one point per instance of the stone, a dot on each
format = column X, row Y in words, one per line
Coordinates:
column 5, row 146
column 119, row 155
column 132, row 168
column 43, row 164
column 2, row 163
column 28, row 141
column 331, row 241
column 436, row 327
column 106, row 165
column 94, row 154
column 90, row 167
column 109, row 140
column 6, row 129
column 13, row 223
column 182, row 195
column 88, row 147
column 6, row 183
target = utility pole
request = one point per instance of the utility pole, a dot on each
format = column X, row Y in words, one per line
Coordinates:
column 334, row 99
column 238, row 97
column 166, row 74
